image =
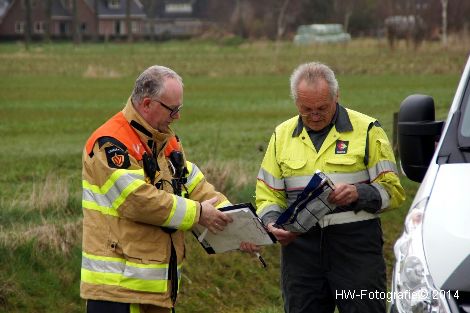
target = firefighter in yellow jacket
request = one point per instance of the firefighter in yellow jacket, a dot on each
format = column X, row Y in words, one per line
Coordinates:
column 339, row 262
column 139, row 196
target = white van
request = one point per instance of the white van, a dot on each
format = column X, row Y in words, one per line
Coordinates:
column 432, row 269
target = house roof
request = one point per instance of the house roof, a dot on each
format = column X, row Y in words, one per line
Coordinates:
column 58, row 9
column 3, row 7
column 137, row 9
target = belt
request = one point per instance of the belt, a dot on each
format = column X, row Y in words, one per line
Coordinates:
column 345, row 217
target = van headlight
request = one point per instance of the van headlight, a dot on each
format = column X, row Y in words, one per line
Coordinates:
column 412, row 287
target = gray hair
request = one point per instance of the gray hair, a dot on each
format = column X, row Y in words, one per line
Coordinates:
column 311, row 72
column 150, row 83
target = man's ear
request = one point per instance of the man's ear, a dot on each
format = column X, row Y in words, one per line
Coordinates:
column 145, row 104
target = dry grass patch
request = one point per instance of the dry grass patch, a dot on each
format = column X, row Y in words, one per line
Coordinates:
column 58, row 237
column 50, row 194
column 97, row 71
column 226, row 176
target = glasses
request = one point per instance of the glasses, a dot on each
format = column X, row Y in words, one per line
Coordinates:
column 308, row 113
column 173, row 111
column 321, row 110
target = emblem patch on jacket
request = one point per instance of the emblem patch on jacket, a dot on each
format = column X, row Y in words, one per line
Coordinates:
column 117, row 158
column 341, row 147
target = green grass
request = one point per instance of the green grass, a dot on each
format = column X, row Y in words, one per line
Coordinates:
column 54, row 96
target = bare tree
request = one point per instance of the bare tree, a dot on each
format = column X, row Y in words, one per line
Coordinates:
column 28, row 24
column 96, row 33
column 281, row 20
column 444, row 22
column 242, row 15
column 348, row 12
column 130, row 36
column 48, row 25
column 75, row 23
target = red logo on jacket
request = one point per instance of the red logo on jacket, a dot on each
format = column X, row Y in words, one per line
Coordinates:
column 118, row 159
column 341, row 147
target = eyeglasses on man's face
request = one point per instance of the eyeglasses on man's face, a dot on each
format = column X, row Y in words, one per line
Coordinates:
column 320, row 110
column 173, row 111
column 307, row 112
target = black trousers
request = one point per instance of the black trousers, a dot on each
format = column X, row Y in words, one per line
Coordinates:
column 99, row 306
column 340, row 265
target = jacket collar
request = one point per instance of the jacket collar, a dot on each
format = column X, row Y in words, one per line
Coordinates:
column 341, row 121
column 145, row 132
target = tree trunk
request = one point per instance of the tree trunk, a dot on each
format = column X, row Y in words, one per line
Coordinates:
column 444, row 22
column 48, row 25
column 281, row 26
column 28, row 24
column 75, row 24
column 128, row 21
column 96, row 31
column 347, row 17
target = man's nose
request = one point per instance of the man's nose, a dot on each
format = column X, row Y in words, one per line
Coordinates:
column 177, row 115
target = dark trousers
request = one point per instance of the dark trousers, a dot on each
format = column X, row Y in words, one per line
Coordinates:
column 340, row 265
column 98, row 306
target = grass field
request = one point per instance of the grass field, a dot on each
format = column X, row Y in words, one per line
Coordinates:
column 53, row 96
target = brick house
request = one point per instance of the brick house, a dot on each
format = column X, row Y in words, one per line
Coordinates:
column 112, row 18
column 177, row 18
column 110, row 22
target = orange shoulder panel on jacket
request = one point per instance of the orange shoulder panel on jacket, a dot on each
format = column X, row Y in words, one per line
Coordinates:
column 118, row 127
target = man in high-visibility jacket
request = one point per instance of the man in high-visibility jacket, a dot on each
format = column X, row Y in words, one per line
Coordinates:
column 339, row 262
column 134, row 213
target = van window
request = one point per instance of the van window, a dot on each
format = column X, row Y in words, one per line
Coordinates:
column 465, row 124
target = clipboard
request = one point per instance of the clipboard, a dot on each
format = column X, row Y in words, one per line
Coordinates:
column 246, row 226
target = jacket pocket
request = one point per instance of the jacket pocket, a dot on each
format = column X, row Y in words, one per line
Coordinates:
column 292, row 166
column 146, row 251
column 340, row 164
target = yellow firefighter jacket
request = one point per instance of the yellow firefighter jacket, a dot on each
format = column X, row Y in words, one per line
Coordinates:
column 126, row 252
column 291, row 159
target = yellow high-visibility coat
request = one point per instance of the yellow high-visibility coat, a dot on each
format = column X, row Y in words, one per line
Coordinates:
column 291, row 160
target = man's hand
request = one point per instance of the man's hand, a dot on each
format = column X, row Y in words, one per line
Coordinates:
column 283, row 236
column 249, row 247
column 343, row 194
column 211, row 218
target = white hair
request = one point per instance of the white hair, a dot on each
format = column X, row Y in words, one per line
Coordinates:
column 151, row 82
column 311, row 72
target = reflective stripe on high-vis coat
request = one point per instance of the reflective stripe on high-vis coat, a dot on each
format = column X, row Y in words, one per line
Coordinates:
column 383, row 166
column 120, row 272
column 271, row 181
column 107, row 198
column 182, row 215
column 194, row 177
column 263, row 210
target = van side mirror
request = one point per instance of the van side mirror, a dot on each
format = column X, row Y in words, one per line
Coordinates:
column 417, row 134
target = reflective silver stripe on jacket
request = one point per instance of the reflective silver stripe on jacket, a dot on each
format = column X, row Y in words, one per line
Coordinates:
column 270, row 208
column 124, row 269
column 194, row 177
column 270, row 180
column 345, row 217
column 383, row 166
column 383, row 194
column 179, row 213
column 106, row 195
